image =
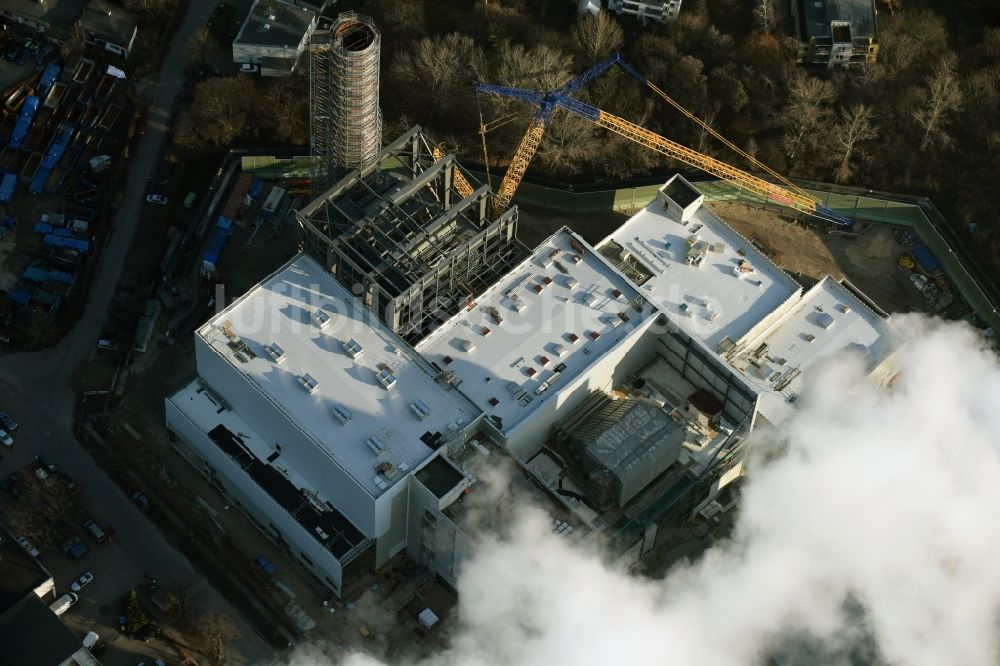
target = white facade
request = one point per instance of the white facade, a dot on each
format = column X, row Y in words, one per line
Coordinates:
column 551, row 330
column 304, row 399
column 656, row 10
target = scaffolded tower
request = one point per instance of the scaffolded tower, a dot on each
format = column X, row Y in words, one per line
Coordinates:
column 343, row 97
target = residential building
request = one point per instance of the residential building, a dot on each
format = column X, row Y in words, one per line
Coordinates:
column 273, row 36
column 836, row 34
column 30, row 633
column 653, row 10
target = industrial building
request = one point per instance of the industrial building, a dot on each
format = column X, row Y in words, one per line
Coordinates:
column 836, row 34
column 109, row 27
column 409, row 236
column 344, row 97
column 538, row 341
column 617, row 383
column 653, row 10
column 311, row 414
column 274, row 35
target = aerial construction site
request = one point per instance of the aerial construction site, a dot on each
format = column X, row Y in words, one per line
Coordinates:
column 505, row 278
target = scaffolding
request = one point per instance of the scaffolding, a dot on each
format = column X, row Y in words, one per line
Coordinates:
column 407, row 236
column 345, row 119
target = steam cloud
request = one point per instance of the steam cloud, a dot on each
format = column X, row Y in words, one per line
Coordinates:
column 872, row 534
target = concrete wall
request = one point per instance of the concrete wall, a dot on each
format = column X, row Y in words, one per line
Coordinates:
column 298, row 450
column 390, row 521
column 526, row 438
column 267, row 513
column 433, row 540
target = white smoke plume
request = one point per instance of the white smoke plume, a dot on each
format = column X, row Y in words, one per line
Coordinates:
column 875, row 527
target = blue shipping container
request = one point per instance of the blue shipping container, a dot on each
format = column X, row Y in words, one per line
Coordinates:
column 927, row 262
column 7, row 186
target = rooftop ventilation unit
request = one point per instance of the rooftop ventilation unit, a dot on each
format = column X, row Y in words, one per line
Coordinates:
column 353, row 349
column 276, row 353
column 375, row 444
column 308, row 383
column 588, row 299
column 321, row 533
column 466, row 345
column 386, row 379
column 342, row 413
column 321, row 318
column 421, row 410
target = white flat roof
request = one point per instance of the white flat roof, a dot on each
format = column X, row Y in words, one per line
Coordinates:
column 280, row 310
column 560, row 313
column 713, row 300
column 827, row 320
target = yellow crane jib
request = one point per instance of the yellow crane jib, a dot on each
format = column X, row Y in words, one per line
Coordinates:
column 548, row 102
column 462, row 185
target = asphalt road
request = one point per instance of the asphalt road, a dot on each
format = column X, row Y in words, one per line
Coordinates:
column 37, row 389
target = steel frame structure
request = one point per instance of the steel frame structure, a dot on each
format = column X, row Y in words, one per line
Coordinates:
column 410, row 236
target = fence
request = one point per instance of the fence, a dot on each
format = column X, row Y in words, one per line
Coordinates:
column 917, row 214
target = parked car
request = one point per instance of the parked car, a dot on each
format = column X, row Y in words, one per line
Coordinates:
column 141, row 499
column 158, row 199
column 100, row 536
column 8, row 422
column 64, row 602
column 85, row 579
column 75, row 548
column 90, row 640
column 249, row 68
column 28, row 547
column 6, row 439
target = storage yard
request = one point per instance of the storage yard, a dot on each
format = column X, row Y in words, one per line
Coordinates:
column 62, row 132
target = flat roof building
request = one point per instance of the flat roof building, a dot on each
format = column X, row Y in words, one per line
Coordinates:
column 713, row 283
column 836, row 34
column 273, row 36
column 831, row 318
column 561, row 317
column 316, row 413
column 109, row 27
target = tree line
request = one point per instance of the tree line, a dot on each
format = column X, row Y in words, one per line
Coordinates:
column 922, row 119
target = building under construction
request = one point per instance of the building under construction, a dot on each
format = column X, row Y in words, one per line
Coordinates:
column 410, row 237
column 344, row 97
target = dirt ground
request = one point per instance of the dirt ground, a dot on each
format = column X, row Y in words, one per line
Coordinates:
column 868, row 261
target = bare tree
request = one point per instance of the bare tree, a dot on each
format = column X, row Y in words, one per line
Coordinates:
column 151, row 7
column 942, row 96
column 216, row 631
column 599, row 35
column 75, row 42
column 857, row 125
column 541, row 67
column 200, row 49
column 220, row 111
column 442, row 62
column 808, row 109
column 893, row 5
column 764, row 16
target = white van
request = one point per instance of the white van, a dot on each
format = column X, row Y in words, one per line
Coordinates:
column 90, row 640
column 63, row 603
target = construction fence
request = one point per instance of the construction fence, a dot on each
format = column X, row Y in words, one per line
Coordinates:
column 919, row 215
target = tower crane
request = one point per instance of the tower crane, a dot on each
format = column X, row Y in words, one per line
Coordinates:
column 560, row 98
